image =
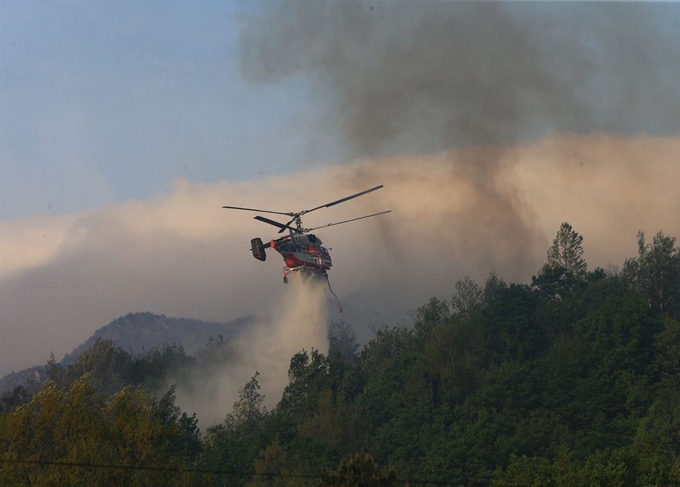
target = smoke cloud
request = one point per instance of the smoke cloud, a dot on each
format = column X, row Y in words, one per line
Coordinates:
column 181, row 254
column 298, row 322
column 423, row 78
column 32, row 242
column 414, row 77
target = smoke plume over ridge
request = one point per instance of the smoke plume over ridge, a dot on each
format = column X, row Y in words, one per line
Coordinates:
column 180, row 254
column 413, row 77
column 421, row 78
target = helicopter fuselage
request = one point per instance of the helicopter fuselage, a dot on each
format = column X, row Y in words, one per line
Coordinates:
column 303, row 251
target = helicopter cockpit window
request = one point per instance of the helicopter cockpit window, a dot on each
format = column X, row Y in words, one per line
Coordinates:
column 312, row 238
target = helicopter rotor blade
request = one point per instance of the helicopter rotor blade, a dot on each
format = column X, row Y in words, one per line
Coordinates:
column 342, row 200
column 275, row 223
column 259, row 211
column 287, row 225
column 347, row 221
column 271, row 222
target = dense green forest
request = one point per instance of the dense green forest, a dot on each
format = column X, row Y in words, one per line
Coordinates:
column 573, row 380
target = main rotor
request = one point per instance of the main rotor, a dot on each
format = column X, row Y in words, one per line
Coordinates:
column 296, row 217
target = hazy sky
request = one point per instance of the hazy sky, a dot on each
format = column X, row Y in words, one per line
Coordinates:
column 124, row 126
column 106, row 101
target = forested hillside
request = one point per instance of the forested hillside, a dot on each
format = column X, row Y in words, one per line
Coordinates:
column 137, row 332
column 571, row 380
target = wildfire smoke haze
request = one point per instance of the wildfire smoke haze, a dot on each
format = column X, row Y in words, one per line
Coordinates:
column 181, row 254
column 425, row 77
column 299, row 321
column 489, row 124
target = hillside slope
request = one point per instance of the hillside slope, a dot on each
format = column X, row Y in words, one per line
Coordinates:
column 137, row 332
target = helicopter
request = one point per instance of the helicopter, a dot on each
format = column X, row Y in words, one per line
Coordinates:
column 300, row 249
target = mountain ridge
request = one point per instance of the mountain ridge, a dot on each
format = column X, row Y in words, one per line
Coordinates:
column 141, row 331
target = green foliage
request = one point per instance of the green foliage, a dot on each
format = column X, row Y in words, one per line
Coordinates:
column 307, row 378
column 655, row 273
column 566, row 252
column 616, row 468
column 359, row 470
column 343, row 341
column 107, row 366
column 234, row 445
column 572, row 381
column 110, row 368
column 276, row 468
column 667, row 352
column 432, row 316
column 657, row 440
column 82, row 426
column 564, row 276
column 12, row 399
column 468, row 296
column 334, row 426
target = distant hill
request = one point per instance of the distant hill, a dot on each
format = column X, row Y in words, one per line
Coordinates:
column 144, row 331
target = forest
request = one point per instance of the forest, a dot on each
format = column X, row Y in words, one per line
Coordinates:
column 572, row 380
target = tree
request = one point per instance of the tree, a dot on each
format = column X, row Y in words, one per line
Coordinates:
column 468, row 296
column 275, row 468
column 431, row 316
column 492, row 287
column 105, row 364
column 308, row 377
column 566, row 272
column 655, row 273
column 82, row 426
column 55, row 371
column 234, row 445
column 343, row 341
column 11, row 399
column 617, row 468
column 248, row 408
column 566, row 252
column 657, row 442
column 334, row 425
column 359, row 471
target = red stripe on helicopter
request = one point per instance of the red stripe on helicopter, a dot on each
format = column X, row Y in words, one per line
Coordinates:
column 293, row 261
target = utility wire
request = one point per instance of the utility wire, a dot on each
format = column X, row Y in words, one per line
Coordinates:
column 233, row 473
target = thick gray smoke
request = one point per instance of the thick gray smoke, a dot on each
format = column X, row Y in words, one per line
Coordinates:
column 413, row 77
column 420, row 77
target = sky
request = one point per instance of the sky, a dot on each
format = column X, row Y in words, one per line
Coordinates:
column 102, row 102
column 125, row 126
